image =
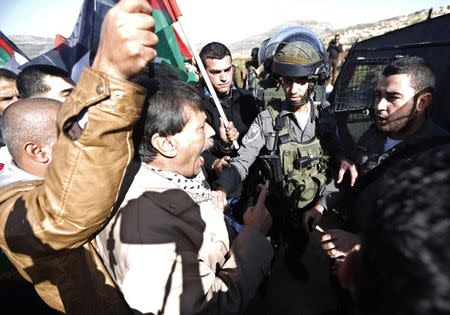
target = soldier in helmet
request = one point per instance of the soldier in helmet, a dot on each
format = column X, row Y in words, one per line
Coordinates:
column 298, row 135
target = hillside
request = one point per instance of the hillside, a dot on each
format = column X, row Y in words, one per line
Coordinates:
column 243, row 48
column 360, row 32
column 349, row 35
column 33, row 46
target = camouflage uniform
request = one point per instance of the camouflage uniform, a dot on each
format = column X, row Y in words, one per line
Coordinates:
column 303, row 184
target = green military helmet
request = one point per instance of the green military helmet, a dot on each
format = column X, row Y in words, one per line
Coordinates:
column 296, row 51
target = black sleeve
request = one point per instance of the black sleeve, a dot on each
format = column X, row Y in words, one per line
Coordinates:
column 328, row 136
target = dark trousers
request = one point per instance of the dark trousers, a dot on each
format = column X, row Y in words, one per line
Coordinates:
column 294, row 236
column 287, row 228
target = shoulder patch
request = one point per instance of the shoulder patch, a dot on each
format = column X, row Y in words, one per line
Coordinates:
column 252, row 133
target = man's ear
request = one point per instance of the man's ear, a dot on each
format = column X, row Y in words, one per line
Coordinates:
column 36, row 153
column 423, row 101
column 164, row 145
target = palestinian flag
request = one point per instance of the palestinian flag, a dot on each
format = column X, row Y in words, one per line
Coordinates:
column 10, row 53
column 73, row 54
column 77, row 51
column 58, row 41
column 171, row 49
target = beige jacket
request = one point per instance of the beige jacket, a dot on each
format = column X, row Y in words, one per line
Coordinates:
column 46, row 226
column 169, row 252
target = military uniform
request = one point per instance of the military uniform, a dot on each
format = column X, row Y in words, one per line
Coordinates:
column 304, row 156
column 261, row 135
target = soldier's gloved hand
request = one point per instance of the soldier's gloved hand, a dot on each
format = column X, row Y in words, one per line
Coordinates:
column 258, row 216
column 127, row 40
column 338, row 243
column 220, row 164
column 312, row 217
column 228, row 133
column 346, row 166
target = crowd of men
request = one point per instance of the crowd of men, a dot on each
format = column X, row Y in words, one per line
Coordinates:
column 125, row 193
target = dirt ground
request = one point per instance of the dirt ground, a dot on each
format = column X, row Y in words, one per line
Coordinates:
column 318, row 295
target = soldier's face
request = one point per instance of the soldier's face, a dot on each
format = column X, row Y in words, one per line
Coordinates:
column 295, row 89
column 394, row 103
column 220, row 72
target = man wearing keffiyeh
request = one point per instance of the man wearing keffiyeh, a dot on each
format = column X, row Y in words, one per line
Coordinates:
column 168, row 247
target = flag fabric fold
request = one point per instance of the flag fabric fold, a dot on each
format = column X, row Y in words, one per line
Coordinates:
column 11, row 57
column 171, row 49
column 77, row 51
column 68, row 53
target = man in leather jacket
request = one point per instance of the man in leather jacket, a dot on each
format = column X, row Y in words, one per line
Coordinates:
column 46, row 225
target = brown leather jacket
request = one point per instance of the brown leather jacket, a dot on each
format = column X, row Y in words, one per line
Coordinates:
column 47, row 227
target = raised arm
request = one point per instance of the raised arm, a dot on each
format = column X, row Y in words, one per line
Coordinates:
column 83, row 180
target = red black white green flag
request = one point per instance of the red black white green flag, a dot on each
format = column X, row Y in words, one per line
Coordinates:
column 171, row 49
column 10, row 53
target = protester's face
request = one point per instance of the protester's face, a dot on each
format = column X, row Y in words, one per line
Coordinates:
column 60, row 88
column 220, row 72
column 336, row 39
column 195, row 138
column 8, row 93
column 394, row 103
column 295, row 89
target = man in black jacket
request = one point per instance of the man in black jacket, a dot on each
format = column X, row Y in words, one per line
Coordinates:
column 402, row 127
column 238, row 104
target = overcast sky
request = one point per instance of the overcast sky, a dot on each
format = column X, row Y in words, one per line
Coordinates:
column 220, row 20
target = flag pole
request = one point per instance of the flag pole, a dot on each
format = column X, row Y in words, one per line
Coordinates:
column 206, row 78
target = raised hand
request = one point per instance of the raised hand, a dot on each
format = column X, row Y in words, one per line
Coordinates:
column 346, row 166
column 258, row 216
column 127, row 40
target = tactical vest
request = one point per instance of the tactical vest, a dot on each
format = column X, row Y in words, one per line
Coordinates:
column 303, row 165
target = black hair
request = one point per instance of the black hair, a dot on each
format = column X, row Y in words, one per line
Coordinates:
column 404, row 262
column 214, row 50
column 7, row 74
column 161, row 71
column 164, row 112
column 31, row 80
column 420, row 73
